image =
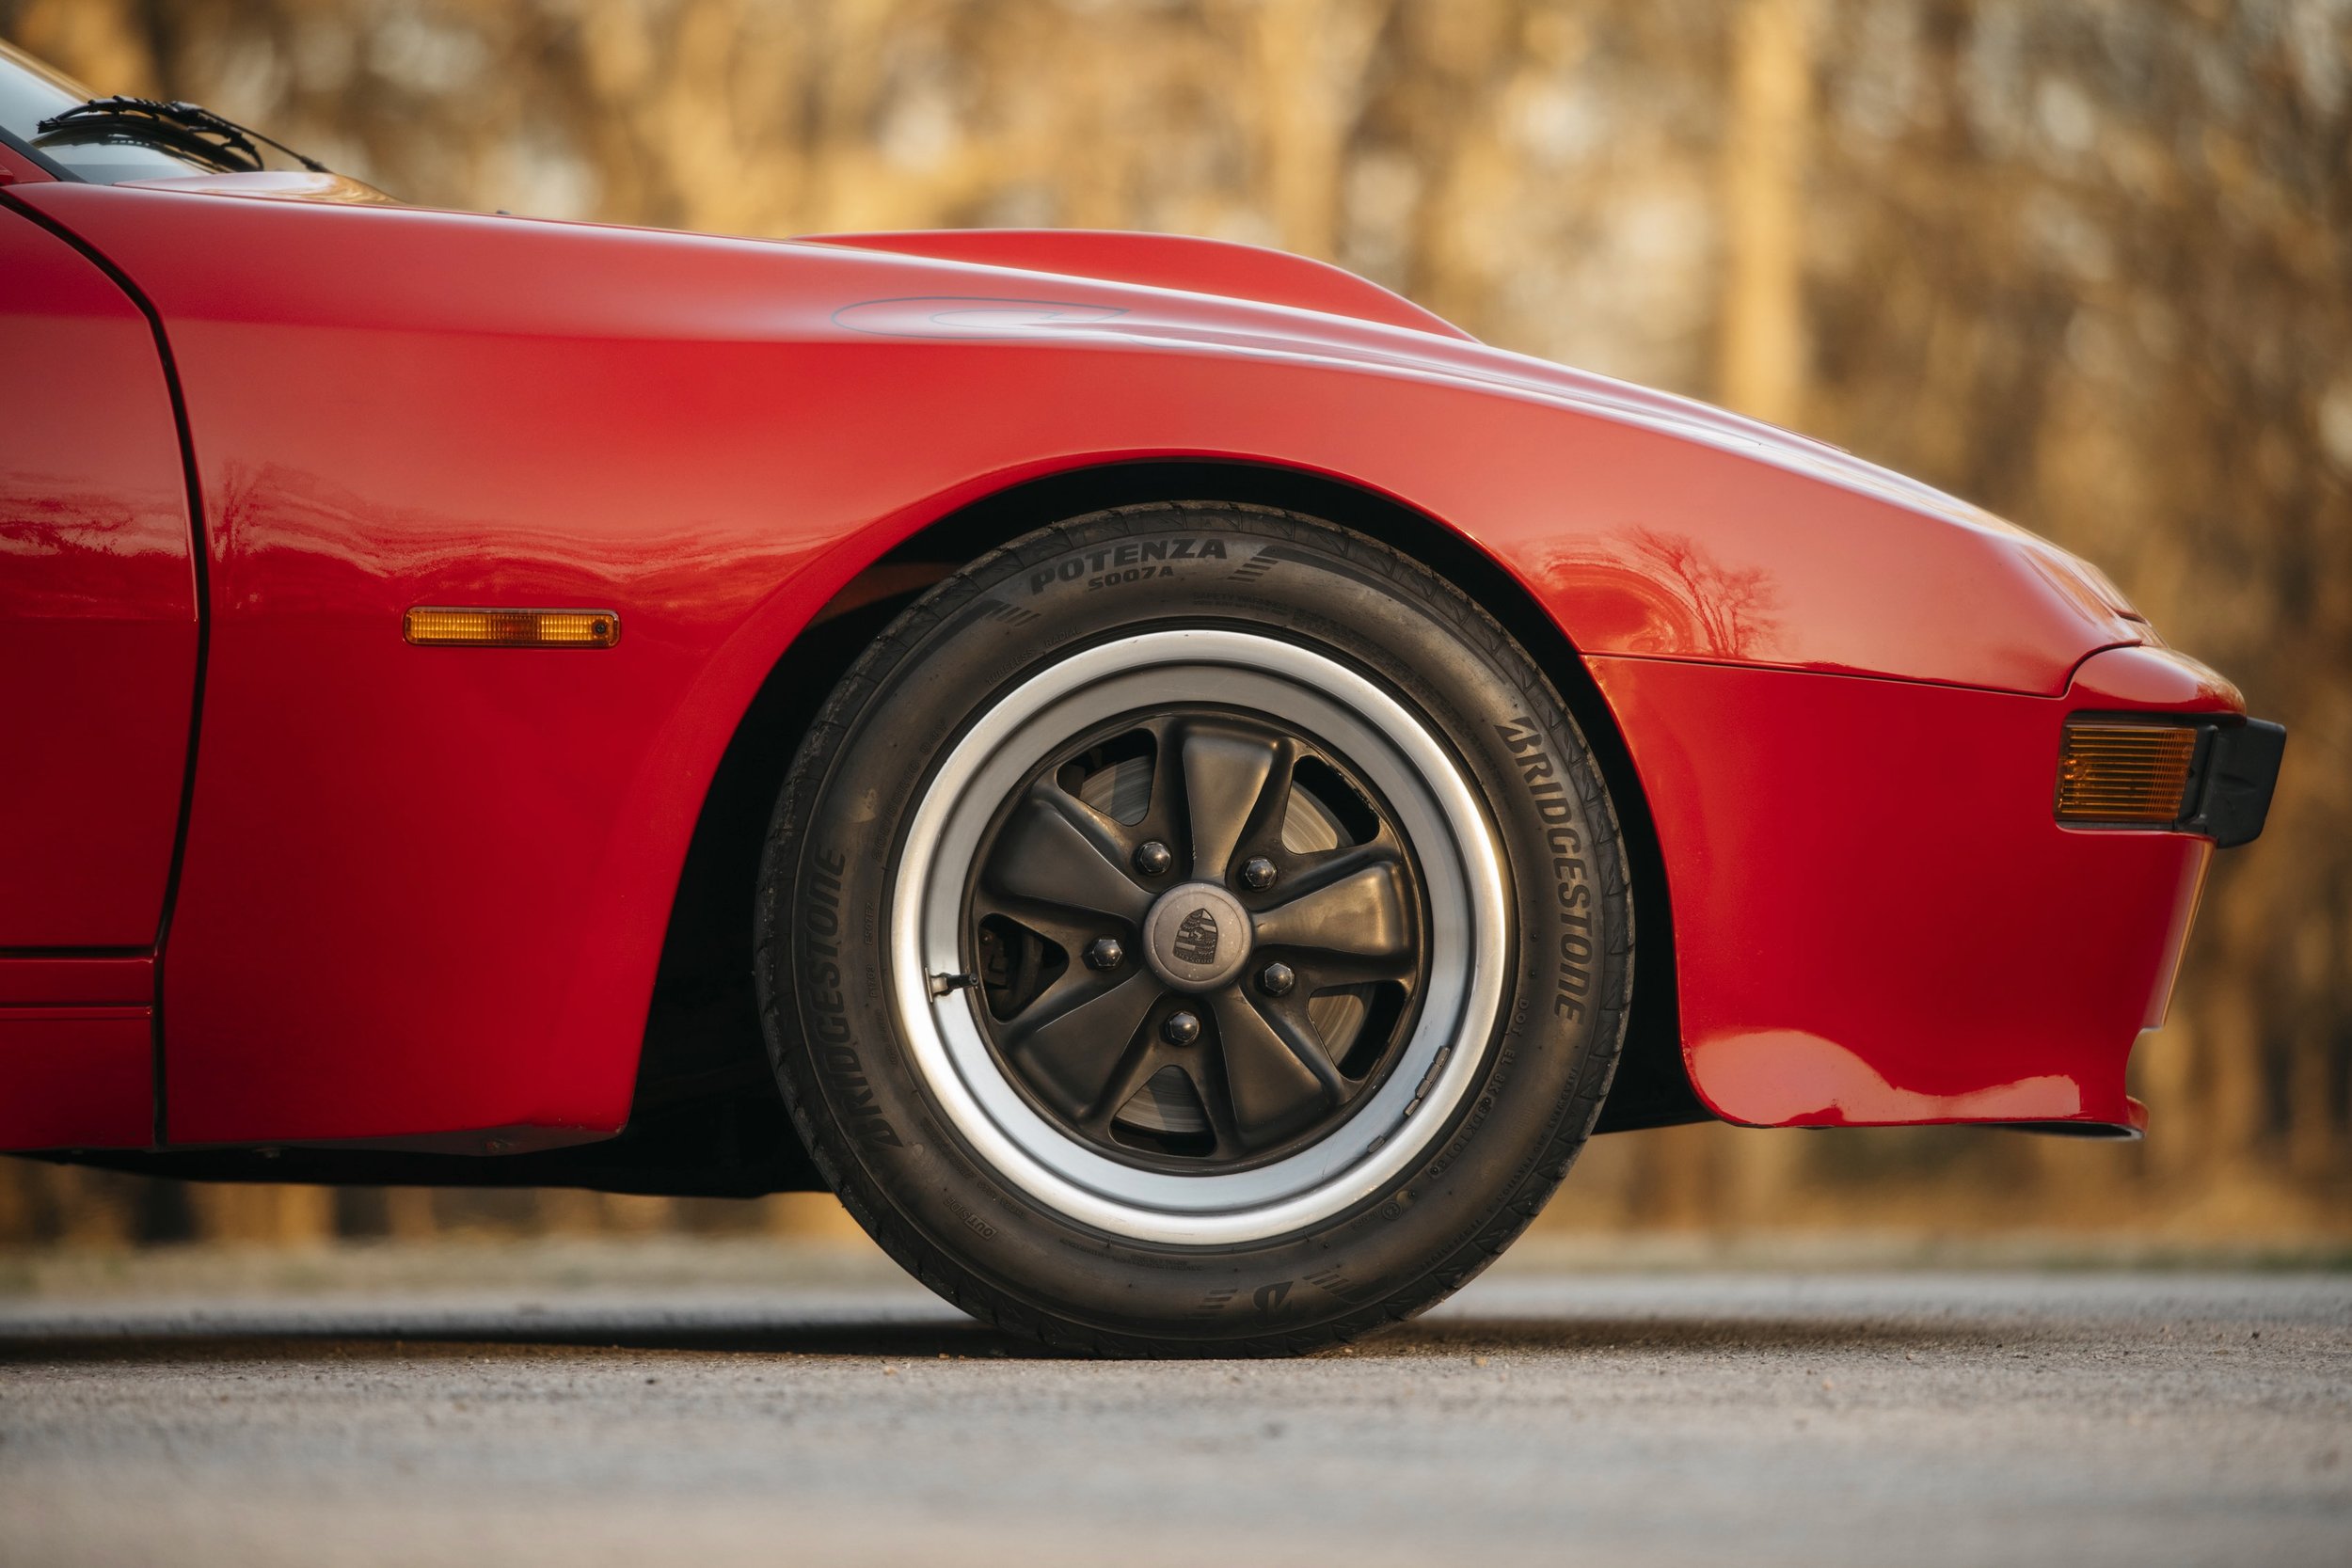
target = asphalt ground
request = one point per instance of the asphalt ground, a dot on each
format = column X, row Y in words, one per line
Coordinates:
column 1917, row 1417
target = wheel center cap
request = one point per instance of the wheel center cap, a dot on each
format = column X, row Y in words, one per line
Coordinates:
column 1196, row 937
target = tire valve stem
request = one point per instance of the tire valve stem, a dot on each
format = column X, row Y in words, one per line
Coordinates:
column 943, row 984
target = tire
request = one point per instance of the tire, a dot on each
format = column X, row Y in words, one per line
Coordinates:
column 1213, row 736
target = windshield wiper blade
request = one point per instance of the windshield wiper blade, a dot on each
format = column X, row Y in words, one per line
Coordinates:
column 178, row 121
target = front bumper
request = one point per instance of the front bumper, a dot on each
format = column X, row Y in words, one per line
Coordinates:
column 1878, row 918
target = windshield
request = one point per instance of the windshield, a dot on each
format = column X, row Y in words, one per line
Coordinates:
column 103, row 149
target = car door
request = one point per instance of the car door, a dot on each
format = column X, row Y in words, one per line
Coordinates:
column 98, row 670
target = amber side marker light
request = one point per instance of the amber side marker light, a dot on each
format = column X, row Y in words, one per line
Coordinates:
column 433, row 626
column 2120, row 772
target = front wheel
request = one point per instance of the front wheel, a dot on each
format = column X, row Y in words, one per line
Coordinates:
column 1194, row 930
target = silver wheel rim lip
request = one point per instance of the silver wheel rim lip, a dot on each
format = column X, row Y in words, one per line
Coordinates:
column 1441, row 815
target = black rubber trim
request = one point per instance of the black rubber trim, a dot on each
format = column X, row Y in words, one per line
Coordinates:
column 2232, row 780
column 42, row 160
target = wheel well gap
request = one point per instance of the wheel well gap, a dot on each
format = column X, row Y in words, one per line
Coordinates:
column 703, row 1031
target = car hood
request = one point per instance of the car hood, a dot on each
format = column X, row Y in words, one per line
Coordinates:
column 1238, row 296
column 1210, row 296
column 1071, row 284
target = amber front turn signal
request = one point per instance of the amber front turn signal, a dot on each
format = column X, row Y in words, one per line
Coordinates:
column 2117, row 772
column 429, row 626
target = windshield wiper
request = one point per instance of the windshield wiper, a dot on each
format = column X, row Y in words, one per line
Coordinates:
column 179, row 127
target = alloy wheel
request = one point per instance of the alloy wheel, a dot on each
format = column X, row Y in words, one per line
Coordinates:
column 1199, row 937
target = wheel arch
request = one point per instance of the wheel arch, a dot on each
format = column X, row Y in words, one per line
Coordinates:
column 703, row 1034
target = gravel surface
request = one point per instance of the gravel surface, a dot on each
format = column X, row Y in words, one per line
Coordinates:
column 1919, row 1418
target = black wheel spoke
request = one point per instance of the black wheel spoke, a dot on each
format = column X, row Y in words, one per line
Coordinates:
column 1070, row 929
column 1143, row 1059
column 1209, row 1087
column 1227, row 778
column 1271, row 1078
column 1058, row 851
column 1320, row 868
column 1361, row 917
column 1075, row 1038
column 1164, row 812
column 1319, row 971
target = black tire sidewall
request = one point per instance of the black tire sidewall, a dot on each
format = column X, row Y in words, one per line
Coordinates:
column 826, row 888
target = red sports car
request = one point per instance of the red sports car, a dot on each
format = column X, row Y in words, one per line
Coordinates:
column 1180, row 785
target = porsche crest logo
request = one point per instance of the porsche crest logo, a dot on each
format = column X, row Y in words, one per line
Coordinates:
column 1196, row 939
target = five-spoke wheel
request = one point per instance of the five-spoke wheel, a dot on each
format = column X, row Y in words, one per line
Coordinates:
column 1131, row 795
column 1198, row 937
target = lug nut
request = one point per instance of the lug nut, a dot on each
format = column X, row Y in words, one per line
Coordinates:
column 1104, row 952
column 1258, row 872
column 1277, row 979
column 1181, row 1029
column 1153, row 858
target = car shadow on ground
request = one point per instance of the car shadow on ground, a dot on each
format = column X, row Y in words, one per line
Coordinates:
column 527, row 1333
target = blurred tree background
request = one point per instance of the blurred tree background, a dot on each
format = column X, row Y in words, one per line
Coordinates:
column 2087, row 262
